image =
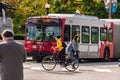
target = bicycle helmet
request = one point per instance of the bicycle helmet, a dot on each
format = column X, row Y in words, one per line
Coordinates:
column 58, row 36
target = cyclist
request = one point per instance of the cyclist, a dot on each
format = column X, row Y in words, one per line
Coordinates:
column 61, row 49
column 70, row 63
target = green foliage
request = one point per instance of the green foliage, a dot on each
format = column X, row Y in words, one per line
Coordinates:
column 27, row 8
column 19, row 36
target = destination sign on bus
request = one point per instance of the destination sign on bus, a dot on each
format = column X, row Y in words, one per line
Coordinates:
column 44, row 20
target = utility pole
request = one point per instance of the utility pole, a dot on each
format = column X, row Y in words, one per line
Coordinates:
column 110, row 9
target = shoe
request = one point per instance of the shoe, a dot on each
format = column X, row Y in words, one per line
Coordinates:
column 73, row 67
column 65, row 64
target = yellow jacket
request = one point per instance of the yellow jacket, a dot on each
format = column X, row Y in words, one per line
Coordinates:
column 59, row 44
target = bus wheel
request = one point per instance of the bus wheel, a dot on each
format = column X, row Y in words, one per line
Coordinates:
column 106, row 55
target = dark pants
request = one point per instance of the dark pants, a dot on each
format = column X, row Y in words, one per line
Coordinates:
column 75, row 54
column 62, row 55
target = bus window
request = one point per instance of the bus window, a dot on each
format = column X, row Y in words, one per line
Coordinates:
column 110, row 34
column 85, row 34
column 103, row 34
column 94, row 34
column 34, row 32
column 51, row 32
column 75, row 31
column 67, row 33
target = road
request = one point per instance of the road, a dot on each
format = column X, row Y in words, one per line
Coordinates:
column 86, row 71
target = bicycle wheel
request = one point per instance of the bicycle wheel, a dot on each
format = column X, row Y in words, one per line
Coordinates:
column 72, row 64
column 49, row 63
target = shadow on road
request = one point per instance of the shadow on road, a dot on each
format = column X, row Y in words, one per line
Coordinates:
column 63, row 72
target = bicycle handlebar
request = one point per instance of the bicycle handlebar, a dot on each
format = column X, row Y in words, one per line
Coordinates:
column 55, row 50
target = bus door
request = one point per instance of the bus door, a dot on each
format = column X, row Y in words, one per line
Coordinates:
column 89, row 42
column 67, row 34
column 70, row 32
column 94, row 43
column 84, row 45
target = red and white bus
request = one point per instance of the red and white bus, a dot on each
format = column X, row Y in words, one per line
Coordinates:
column 96, row 37
column 115, row 30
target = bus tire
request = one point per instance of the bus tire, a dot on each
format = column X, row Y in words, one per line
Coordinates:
column 106, row 55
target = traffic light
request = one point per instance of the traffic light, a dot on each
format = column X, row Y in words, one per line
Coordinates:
column 114, row 7
column 111, row 4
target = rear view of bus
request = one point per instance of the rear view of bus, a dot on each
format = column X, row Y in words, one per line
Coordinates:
column 40, row 35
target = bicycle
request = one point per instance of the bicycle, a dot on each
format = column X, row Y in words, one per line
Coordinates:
column 49, row 62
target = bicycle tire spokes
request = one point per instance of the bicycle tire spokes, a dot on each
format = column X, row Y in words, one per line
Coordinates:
column 72, row 64
column 48, row 63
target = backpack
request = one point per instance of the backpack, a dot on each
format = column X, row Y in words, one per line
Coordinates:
column 64, row 44
column 70, row 48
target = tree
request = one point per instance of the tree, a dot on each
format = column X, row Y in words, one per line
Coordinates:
column 27, row 8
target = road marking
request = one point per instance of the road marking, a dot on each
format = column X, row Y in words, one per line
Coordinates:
column 63, row 69
column 103, row 70
column 40, row 68
column 36, row 68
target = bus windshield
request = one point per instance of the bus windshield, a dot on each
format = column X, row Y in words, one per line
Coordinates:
column 42, row 32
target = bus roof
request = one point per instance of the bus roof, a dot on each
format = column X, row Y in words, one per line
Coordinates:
column 79, row 16
column 45, row 17
column 116, row 21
